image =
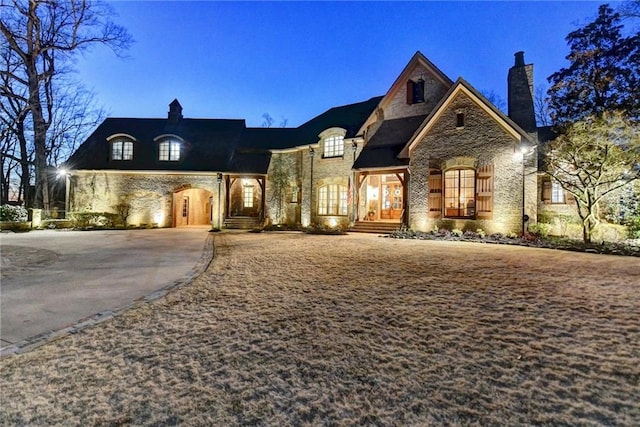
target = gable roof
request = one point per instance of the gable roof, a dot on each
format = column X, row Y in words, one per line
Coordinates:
column 400, row 82
column 417, row 59
column 462, row 86
column 382, row 149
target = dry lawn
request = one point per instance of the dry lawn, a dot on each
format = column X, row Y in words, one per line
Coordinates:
column 292, row 329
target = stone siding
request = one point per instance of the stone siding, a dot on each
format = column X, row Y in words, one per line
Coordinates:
column 150, row 194
column 284, row 208
column 434, row 90
column 484, row 140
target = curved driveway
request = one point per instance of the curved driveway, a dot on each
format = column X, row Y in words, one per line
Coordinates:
column 52, row 279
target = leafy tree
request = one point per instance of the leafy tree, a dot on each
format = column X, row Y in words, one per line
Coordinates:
column 43, row 36
column 603, row 75
column 593, row 158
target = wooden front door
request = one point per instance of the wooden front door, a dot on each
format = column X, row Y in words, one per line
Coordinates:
column 391, row 201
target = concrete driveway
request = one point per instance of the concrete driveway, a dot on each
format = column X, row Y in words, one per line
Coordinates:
column 52, row 279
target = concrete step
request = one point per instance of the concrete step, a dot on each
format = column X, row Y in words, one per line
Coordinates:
column 375, row 227
column 242, row 222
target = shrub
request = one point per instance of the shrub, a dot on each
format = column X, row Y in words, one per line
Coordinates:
column 323, row 229
column 456, row 232
column 610, row 233
column 480, row 232
column 56, row 224
column 633, row 227
column 540, row 228
column 511, row 235
column 13, row 213
column 17, row 226
column 94, row 219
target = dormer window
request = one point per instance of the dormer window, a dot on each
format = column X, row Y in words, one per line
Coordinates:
column 333, row 146
column 169, row 150
column 121, row 149
column 415, row 91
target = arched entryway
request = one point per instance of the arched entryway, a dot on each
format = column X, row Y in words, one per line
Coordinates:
column 192, row 206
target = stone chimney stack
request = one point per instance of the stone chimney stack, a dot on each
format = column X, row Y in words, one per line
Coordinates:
column 175, row 112
column 520, row 94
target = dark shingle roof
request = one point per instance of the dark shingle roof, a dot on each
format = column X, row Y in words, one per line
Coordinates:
column 211, row 144
column 350, row 117
column 383, row 148
column 208, row 144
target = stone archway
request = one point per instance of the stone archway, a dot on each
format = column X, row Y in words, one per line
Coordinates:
column 192, row 206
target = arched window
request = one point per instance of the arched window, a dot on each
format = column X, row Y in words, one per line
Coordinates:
column 121, row 149
column 169, row 150
column 459, row 193
column 332, row 200
column 333, row 146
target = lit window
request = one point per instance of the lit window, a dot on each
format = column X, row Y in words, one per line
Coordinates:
column 121, row 150
column 459, row 193
column 333, row 146
column 247, row 196
column 169, row 151
column 557, row 193
column 332, row 200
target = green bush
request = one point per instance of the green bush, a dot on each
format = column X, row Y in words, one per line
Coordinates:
column 456, row 232
column 540, row 228
column 94, row 219
column 633, row 227
column 56, row 224
column 609, row 233
column 13, row 213
column 17, row 226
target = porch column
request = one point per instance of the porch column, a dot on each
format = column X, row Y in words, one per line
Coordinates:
column 405, row 198
column 262, row 182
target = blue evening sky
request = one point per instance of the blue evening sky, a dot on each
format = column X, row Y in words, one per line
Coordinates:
column 298, row 59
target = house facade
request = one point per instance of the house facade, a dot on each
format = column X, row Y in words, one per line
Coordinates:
column 431, row 152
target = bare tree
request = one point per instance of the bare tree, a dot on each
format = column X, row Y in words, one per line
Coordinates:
column 267, row 120
column 541, row 107
column 495, row 99
column 44, row 35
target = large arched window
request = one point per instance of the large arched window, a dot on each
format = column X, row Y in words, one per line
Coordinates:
column 332, row 200
column 121, row 149
column 459, row 193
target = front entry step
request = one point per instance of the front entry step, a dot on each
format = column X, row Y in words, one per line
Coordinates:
column 375, row 227
column 242, row 222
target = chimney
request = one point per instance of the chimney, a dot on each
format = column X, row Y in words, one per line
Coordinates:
column 175, row 112
column 520, row 94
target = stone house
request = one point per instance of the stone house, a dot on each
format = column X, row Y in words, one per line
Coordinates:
column 430, row 152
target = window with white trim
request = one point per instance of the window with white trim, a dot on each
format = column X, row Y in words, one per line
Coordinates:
column 121, row 150
column 169, row 150
column 333, row 146
column 557, row 193
column 332, row 200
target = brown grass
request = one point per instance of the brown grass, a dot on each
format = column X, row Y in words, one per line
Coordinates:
column 293, row 329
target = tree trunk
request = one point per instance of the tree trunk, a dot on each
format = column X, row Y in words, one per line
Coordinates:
column 25, row 176
column 40, row 127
